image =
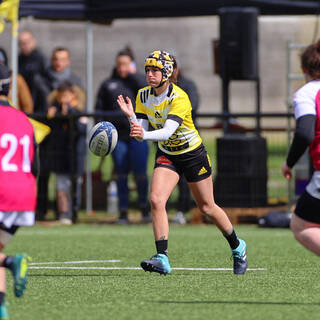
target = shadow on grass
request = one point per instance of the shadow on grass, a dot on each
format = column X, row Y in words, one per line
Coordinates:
column 238, row 302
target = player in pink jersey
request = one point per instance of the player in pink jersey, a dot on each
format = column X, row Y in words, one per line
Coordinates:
column 305, row 222
column 17, row 187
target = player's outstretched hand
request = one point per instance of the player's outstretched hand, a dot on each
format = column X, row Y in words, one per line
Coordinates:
column 286, row 171
column 125, row 106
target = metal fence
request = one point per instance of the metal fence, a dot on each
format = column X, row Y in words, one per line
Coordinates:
column 96, row 177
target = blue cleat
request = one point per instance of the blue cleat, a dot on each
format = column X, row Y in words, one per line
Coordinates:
column 239, row 254
column 19, row 270
column 157, row 263
column 4, row 314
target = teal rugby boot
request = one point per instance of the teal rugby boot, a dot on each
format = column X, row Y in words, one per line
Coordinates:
column 157, row 263
column 239, row 254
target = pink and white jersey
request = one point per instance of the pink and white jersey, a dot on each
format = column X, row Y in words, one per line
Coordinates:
column 307, row 101
column 17, row 183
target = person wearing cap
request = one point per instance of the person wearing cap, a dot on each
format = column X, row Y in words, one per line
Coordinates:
column 17, row 188
column 166, row 107
column 129, row 155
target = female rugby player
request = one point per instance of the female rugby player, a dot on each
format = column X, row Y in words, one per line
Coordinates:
column 180, row 150
column 305, row 222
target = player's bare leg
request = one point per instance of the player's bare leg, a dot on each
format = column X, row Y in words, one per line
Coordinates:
column 163, row 182
column 203, row 195
column 306, row 233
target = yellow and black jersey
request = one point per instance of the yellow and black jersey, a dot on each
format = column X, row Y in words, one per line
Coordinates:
column 172, row 104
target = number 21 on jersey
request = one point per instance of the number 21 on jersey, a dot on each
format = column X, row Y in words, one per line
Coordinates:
column 10, row 142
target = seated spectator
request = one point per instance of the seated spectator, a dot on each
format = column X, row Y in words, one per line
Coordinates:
column 69, row 149
column 31, row 60
column 24, row 98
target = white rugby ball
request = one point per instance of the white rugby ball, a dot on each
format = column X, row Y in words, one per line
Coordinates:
column 103, row 138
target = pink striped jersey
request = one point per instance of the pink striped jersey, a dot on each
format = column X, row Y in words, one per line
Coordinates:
column 17, row 183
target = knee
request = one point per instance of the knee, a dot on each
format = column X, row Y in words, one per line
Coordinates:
column 157, row 202
column 206, row 209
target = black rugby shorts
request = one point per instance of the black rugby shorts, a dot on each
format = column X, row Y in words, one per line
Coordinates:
column 195, row 164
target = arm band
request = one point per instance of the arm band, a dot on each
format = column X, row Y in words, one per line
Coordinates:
column 170, row 126
column 304, row 135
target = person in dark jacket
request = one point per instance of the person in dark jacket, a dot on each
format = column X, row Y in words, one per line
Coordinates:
column 31, row 60
column 45, row 83
column 69, row 149
column 129, row 154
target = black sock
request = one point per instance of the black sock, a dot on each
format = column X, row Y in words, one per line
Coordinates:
column 232, row 239
column 123, row 214
column 7, row 262
column 162, row 246
column 2, row 297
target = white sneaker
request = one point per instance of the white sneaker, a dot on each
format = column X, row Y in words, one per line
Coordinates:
column 65, row 221
column 179, row 218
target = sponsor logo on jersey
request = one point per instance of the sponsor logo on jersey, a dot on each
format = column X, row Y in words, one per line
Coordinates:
column 163, row 160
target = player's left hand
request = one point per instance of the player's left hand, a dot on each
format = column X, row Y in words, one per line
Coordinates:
column 286, row 171
column 136, row 131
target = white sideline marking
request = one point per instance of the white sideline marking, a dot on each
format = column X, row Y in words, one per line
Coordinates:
column 73, row 262
column 136, row 268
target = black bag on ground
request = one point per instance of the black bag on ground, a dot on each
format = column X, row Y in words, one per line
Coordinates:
column 275, row 220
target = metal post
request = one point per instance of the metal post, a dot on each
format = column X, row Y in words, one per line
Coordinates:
column 14, row 62
column 89, row 78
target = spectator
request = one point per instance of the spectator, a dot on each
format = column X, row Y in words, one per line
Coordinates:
column 24, row 98
column 129, row 154
column 50, row 79
column 184, row 198
column 31, row 61
column 54, row 75
column 68, row 160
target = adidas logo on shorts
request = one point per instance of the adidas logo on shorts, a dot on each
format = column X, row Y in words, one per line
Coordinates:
column 203, row 170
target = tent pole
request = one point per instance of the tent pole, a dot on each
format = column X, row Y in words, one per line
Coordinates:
column 14, row 62
column 89, row 78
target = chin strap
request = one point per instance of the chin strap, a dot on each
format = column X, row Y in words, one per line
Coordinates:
column 161, row 84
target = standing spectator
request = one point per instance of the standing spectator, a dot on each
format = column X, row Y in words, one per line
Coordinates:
column 31, row 60
column 50, row 79
column 24, row 98
column 129, row 154
column 17, row 187
column 54, row 75
column 69, row 147
column 184, row 198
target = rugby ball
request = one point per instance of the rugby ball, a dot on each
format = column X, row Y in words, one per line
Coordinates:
column 103, row 138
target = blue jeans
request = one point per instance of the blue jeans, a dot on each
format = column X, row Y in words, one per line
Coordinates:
column 131, row 156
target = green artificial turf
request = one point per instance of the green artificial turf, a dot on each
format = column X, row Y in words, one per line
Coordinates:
column 287, row 289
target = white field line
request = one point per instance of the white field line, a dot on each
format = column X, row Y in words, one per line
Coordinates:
column 136, row 268
column 73, row 262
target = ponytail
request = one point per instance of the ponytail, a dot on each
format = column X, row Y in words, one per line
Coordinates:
column 174, row 77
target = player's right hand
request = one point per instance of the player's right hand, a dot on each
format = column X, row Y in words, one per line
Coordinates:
column 125, row 106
